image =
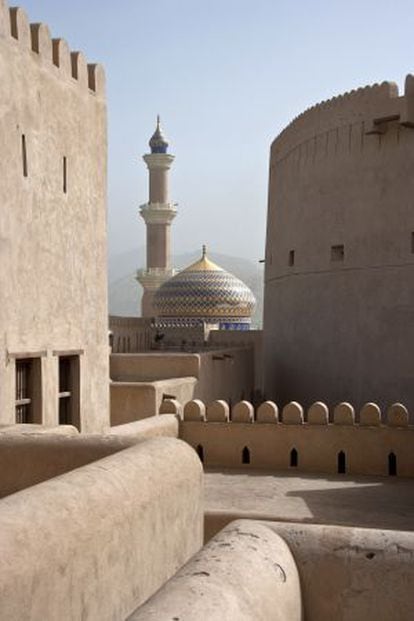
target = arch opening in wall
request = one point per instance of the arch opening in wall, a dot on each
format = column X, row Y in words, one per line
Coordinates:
column 341, row 462
column 200, row 452
column 294, row 458
column 392, row 464
column 245, row 455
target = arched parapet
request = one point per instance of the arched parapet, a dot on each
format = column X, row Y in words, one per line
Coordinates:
column 397, row 415
column 292, row 414
column 318, row 414
column 20, row 27
column 41, row 42
column 195, row 410
column 370, row 415
column 171, row 406
column 243, row 412
column 218, row 412
column 344, row 414
column 79, row 69
column 96, row 78
column 267, row 412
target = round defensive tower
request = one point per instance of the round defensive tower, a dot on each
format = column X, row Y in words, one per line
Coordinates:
column 339, row 294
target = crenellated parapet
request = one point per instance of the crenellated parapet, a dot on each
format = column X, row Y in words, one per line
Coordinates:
column 53, row 54
column 312, row 440
column 363, row 112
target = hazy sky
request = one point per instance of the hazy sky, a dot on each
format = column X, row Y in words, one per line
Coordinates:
column 226, row 77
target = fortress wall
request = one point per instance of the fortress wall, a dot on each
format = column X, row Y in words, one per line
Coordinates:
column 93, row 528
column 142, row 381
column 130, row 334
column 31, row 454
column 368, row 448
column 153, row 366
column 26, row 460
column 352, row 573
column 252, row 338
column 342, row 328
column 28, row 457
column 52, row 217
column 132, row 401
column 246, row 572
column 166, row 425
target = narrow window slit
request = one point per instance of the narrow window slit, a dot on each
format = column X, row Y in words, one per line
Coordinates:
column 293, row 458
column 65, row 175
column 392, row 464
column 337, row 253
column 200, row 452
column 245, row 456
column 24, row 156
column 341, row 463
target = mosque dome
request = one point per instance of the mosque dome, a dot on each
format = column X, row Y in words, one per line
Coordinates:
column 204, row 293
column 158, row 142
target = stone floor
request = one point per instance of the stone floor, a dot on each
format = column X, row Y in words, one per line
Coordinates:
column 375, row 502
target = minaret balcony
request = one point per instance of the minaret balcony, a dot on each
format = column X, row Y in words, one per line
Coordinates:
column 158, row 213
column 154, row 277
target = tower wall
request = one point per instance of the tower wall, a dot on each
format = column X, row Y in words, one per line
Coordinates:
column 158, row 214
column 52, row 218
column 158, row 245
column 158, row 185
column 339, row 299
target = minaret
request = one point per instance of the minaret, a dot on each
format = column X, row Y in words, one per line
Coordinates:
column 158, row 214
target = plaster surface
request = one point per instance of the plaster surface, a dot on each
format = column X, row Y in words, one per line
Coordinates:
column 97, row 542
column 352, row 574
column 52, row 218
column 338, row 304
column 373, row 502
column 246, row 572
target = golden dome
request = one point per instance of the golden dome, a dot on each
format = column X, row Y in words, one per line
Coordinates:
column 205, row 293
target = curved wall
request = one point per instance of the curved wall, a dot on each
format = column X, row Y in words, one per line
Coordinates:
column 339, row 297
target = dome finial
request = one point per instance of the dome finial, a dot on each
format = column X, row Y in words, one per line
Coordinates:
column 158, row 142
column 204, row 250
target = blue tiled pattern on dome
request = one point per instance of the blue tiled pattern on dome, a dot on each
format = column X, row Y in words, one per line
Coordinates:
column 214, row 296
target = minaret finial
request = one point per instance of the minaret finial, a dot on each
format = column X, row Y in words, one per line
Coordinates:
column 158, row 120
column 204, row 251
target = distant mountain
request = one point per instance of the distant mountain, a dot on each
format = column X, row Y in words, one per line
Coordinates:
column 125, row 292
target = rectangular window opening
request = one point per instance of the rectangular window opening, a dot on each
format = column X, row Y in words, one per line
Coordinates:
column 291, row 258
column 65, row 175
column 24, row 156
column 28, row 391
column 69, row 391
column 337, row 253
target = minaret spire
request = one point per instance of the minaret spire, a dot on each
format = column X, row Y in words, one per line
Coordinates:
column 158, row 214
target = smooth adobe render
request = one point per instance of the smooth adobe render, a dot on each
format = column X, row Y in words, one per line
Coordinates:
column 53, row 231
column 192, row 497
column 339, row 301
